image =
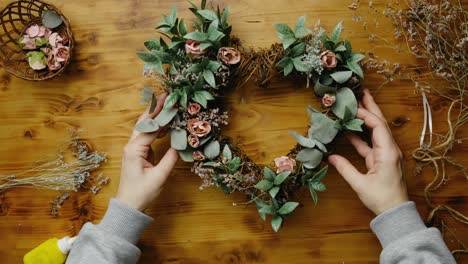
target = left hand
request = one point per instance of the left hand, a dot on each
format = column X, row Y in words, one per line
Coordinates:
column 142, row 178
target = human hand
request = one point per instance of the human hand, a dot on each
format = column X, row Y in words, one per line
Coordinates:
column 142, row 179
column 382, row 187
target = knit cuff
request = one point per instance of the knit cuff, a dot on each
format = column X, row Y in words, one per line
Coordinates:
column 124, row 222
column 396, row 223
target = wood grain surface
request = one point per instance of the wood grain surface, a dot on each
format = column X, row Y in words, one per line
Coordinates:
column 100, row 91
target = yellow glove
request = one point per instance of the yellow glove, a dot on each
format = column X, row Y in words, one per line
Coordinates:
column 52, row 251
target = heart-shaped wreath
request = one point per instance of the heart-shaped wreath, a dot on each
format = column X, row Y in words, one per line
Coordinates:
column 196, row 66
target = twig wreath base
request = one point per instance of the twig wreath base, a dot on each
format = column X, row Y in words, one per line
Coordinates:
column 198, row 66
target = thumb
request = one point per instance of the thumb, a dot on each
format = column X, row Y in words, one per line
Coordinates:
column 346, row 169
column 167, row 162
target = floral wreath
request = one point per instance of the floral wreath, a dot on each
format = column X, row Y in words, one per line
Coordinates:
column 198, row 66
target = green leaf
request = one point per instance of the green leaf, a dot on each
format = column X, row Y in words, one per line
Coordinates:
column 207, row 95
column 175, row 44
column 302, row 32
column 146, row 95
column 205, row 45
column 147, row 126
column 209, row 78
column 204, row 140
column 234, row 164
column 311, row 158
column 287, row 208
column 322, row 127
column 284, row 62
column 166, row 116
column 171, row 100
column 340, row 47
column 212, row 150
column 288, row 41
column 183, row 99
column 348, row 115
column 186, row 155
column 341, row 76
column 227, row 154
column 298, row 50
column 196, row 35
column 274, row 191
column 154, row 66
column 300, row 22
column 276, row 222
column 213, row 66
column 320, row 146
column 318, row 186
column 352, row 65
column 288, row 69
column 182, row 28
column 320, row 174
column 179, row 139
column 313, row 193
column 199, row 98
column 321, row 90
column 357, row 57
column 173, row 15
column 303, row 141
column 211, row 164
column 259, row 203
column 354, row 124
column 208, row 14
column 344, row 98
column 147, row 57
column 283, row 29
column 299, row 65
column 264, row 185
column 280, row 178
column 267, row 209
column 269, row 174
column 336, row 33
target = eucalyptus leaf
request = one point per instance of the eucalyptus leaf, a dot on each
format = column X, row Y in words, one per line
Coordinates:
column 212, row 149
column 51, row 20
column 259, row 206
column 288, row 42
column 318, row 186
column 321, row 146
column 267, row 209
column 283, row 29
column 186, row 155
column 321, row 90
column 146, row 95
column 322, row 127
column 183, row 99
column 196, row 35
column 310, row 157
column 352, row 65
column 165, row 116
column 303, row 141
column 276, row 222
column 344, row 98
column 289, row 68
column 179, row 139
column 299, row 64
column 147, row 126
column 354, row 124
column 234, row 164
column 209, row 78
column 287, row 208
column 341, row 76
column 302, row 32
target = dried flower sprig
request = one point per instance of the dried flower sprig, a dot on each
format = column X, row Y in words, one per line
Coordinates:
column 61, row 175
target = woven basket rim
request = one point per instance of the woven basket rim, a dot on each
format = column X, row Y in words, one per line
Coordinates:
column 66, row 25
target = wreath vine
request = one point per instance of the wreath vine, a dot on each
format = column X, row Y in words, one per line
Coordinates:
column 197, row 66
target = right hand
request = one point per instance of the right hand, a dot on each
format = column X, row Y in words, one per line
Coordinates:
column 382, row 187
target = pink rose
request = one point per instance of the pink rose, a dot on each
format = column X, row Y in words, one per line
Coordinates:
column 33, row 31
column 197, row 155
column 61, row 53
column 193, row 47
column 328, row 59
column 229, row 56
column 328, row 100
column 27, row 43
column 285, row 163
column 198, row 127
column 193, row 108
column 56, row 40
column 193, row 141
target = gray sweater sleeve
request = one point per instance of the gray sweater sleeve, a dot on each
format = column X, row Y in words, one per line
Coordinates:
column 406, row 240
column 113, row 240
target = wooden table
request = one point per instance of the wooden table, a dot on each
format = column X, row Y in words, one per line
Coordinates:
column 100, row 93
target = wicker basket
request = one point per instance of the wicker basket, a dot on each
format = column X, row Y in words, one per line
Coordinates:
column 14, row 20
